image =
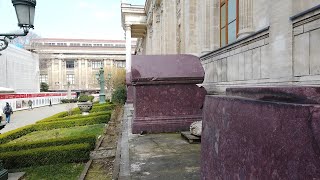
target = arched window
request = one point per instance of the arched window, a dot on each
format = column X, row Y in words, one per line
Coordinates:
column 229, row 21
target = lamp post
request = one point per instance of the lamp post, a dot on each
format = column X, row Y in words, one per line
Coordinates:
column 100, row 78
column 25, row 10
column 110, row 86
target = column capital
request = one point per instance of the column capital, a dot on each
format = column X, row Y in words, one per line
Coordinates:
column 127, row 27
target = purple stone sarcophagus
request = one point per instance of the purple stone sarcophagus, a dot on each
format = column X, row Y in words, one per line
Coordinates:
column 165, row 95
column 262, row 133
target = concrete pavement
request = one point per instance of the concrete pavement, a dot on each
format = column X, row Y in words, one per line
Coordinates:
column 26, row 117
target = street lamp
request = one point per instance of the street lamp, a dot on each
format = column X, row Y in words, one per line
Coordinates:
column 100, row 78
column 25, row 10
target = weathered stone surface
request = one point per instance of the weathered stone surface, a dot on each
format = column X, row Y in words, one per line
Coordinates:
column 290, row 94
column 301, row 62
column 253, row 139
column 166, row 97
column 196, row 128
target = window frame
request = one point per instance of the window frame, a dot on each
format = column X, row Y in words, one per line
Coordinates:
column 68, row 65
column 225, row 2
column 70, row 78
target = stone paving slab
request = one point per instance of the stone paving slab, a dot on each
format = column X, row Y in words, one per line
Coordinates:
column 157, row 156
column 16, row 176
column 26, row 117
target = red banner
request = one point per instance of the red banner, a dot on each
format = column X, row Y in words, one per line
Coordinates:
column 17, row 96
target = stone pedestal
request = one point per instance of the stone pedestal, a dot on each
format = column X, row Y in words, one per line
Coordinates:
column 268, row 133
column 165, row 95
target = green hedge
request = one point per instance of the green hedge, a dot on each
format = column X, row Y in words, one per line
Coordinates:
column 90, row 139
column 14, row 134
column 96, row 108
column 46, row 155
column 73, row 117
column 59, row 115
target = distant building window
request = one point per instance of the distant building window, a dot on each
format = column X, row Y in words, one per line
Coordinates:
column 70, row 64
column 70, row 78
column 74, row 44
column 62, row 44
column 97, row 64
column 229, row 21
column 120, row 64
column 43, row 78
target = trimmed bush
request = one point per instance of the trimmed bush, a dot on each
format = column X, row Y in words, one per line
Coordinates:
column 71, row 123
column 46, row 155
column 90, row 139
column 14, row 134
column 73, row 117
column 58, row 115
column 83, row 98
column 96, row 108
column 69, row 100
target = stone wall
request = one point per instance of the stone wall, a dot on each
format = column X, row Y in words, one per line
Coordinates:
column 282, row 54
column 306, row 37
column 244, row 61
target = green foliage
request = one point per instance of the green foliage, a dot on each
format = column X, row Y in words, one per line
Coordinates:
column 69, row 100
column 46, row 155
column 17, row 133
column 83, row 98
column 91, row 98
column 44, row 87
column 90, row 139
column 119, row 96
column 73, row 117
column 62, row 171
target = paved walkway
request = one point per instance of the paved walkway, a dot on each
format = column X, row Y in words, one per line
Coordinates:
column 26, row 117
column 156, row 156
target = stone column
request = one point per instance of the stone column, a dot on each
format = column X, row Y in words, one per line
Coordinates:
column 128, row 47
column 245, row 18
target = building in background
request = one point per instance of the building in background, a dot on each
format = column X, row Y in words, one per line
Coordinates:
column 19, row 71
column 240, row 42
column 77, row 61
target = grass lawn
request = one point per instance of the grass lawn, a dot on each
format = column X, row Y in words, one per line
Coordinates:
column 70, row 171
column 96, row 129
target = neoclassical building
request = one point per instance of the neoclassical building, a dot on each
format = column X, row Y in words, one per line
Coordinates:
column 239, row 42
column 77, row 61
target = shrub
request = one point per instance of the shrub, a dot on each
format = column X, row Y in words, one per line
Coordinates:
column 91, row 98
column 119, row 96
column 58, row 115
column 74, row 117
column 96, row 108
column 14, row 134
column 46, row 155
column 44, row 87
column 83, row 98
column 71, row 123
column 90, row 139
column 69, row 100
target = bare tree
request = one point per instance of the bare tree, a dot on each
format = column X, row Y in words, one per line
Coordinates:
column 23, row 41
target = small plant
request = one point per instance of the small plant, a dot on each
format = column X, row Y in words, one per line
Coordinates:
column 91, row 98
column 119, row 96
column 83, row 98
column 44, row 87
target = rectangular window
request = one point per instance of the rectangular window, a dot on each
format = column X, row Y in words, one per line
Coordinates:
column 228, row 21
column 44, row 78
column 70, row 64
column 70, row 78
column 97, row 64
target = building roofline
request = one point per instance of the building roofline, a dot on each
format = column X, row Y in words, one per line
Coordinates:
column 81, row 40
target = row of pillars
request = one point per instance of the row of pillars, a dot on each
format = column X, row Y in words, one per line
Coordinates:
column 245, row 28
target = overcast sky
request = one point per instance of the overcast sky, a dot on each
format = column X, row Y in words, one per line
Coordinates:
column 87, row 19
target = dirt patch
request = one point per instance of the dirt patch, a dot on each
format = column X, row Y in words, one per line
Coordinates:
column 103, row 168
